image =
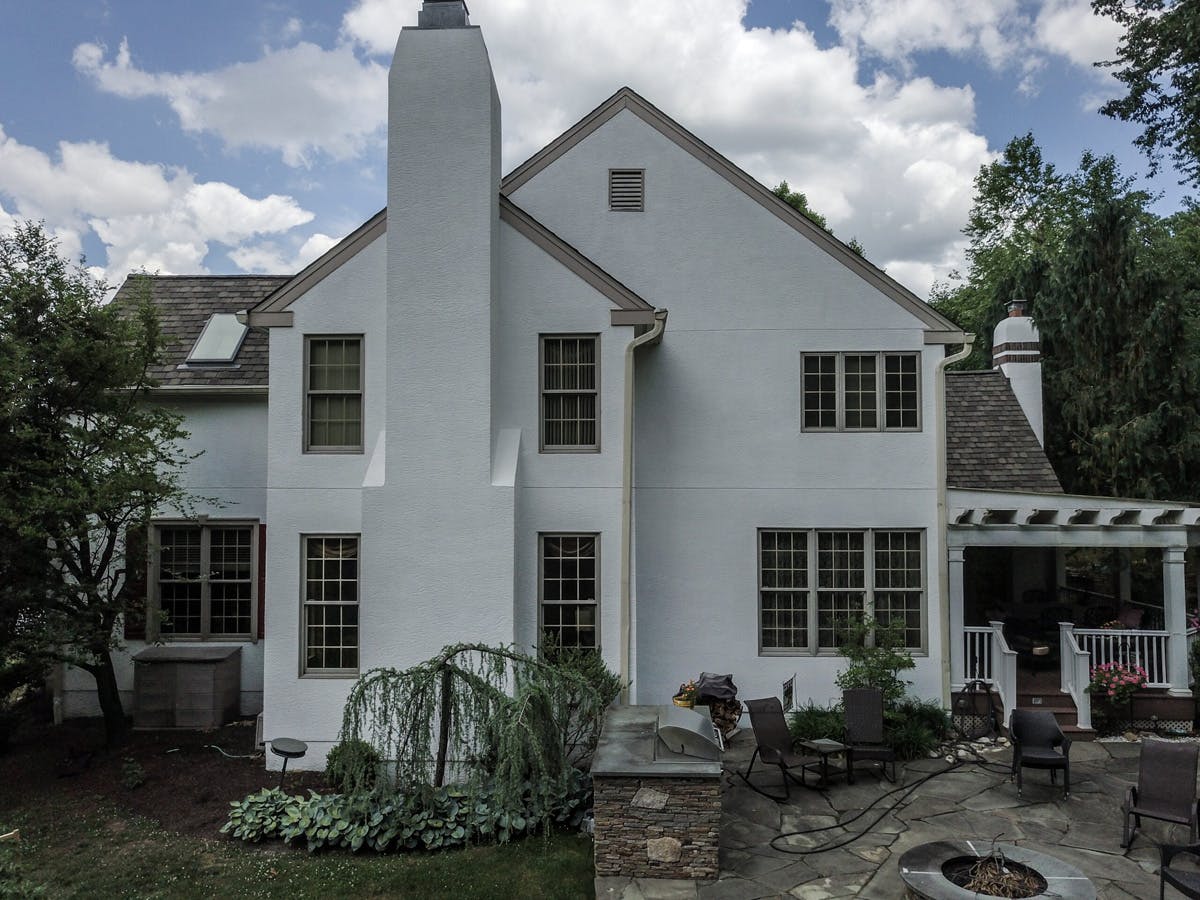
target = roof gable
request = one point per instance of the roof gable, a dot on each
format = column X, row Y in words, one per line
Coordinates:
column 938, row 328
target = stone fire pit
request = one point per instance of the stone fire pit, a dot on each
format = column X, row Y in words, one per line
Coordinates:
column 924, row 870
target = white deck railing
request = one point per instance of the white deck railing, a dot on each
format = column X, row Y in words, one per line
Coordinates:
column 987, row 657
column 977, row 653
column 1147, row 649
column 1076, row 666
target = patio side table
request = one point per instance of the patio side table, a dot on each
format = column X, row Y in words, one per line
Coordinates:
column 825, row 748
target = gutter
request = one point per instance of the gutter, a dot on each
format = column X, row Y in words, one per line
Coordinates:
column 653, row 336
column 942, row 503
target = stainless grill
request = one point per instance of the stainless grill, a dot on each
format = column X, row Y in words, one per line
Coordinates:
column 689, row 733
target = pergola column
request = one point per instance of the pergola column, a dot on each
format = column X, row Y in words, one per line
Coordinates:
column 1175, row 611
column 958, row 667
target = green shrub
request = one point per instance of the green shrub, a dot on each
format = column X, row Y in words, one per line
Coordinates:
column 14, row 885
column 911, row 739
column 875, row 656
column 928, row 713
column 812, row 722
column 584, row 713
column 133, row 776
column 352, row 767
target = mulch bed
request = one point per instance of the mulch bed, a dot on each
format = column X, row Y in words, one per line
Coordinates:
column 188, row 785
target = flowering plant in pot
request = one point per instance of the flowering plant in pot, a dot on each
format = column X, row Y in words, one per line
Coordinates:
column 686, row 695
column 1113, row 686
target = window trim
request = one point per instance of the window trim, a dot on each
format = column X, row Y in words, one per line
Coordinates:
column 302, row 650
column 880, row 391
column 813, row 590
column 641, row 207
column 306, row 445
column 154, row 632
column 543, row 447
column 541, row 582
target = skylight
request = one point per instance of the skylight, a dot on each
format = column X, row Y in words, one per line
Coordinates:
column 219, row 341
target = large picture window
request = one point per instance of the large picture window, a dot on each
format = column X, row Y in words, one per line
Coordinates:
column 813, row 584
column 331, row 604
column 206, row 580
column 333, row 394
column 570, row 597
column 860, row 392
column 570, row 393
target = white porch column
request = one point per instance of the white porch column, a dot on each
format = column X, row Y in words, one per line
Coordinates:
column 1175, row 610
column 958, row 668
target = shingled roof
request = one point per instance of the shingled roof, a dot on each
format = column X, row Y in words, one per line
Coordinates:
column 989, row 444
column 184, row 304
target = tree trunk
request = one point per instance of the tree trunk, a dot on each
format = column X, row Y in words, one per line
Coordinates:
column 116, row 728
column 439, row 776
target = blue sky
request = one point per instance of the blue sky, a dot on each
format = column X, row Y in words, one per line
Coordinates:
column 232, row 136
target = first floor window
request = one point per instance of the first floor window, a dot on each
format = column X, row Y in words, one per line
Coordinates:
column 331, row 604
column 206, row 580
column 570, row 599
column 816, row 584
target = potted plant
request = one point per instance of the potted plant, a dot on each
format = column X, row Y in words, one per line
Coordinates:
column 686, row 695
column 1113, row 685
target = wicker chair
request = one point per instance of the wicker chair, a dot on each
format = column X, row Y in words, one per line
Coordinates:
column 864, row 729
column 1166, row 788
column 1185, row 881
column 774, row 746
column 1038, row 743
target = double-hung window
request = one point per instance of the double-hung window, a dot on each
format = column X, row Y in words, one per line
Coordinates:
column 330, row 604
column 570, row 393
column 860, row 392
column 333, row 394
column 206, row 580
column 815, row 583
column 570, row 598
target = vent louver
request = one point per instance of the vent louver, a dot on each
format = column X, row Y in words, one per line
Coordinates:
column 626, row 190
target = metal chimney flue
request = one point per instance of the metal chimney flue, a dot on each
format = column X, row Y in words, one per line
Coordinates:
column 444, row 14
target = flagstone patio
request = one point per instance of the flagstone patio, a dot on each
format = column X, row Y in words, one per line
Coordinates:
column 971, row 802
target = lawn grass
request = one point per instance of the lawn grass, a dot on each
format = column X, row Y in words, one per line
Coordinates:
column 108, row 852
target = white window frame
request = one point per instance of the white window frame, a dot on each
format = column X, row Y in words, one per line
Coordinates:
column 813, row 590
column 543, row 391
column 305, row 671
column 306, row 412
column 881, row 357
column 154, row 631
column 542, row 603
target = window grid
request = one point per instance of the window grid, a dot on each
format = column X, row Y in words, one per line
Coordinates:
column 814, row 583
column 206, row 580
column 570, row 381
column 569, row 590
column 331, row 605
column 860, row 392
column 334, row 395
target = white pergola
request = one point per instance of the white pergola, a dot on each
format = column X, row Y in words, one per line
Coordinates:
column 1021, row 519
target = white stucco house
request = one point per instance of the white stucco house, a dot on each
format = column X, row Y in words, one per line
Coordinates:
column 473, row 419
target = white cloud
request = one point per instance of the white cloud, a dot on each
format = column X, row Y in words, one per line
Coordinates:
column 1068, row 28
column 270, row 258
column 146, row 215
column 302, row 101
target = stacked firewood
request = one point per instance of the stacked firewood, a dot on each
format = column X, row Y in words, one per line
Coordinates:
column 725, row 714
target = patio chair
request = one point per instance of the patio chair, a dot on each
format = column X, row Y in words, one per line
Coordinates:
column 1166, row 788
column 774, row 746
column 1187, row 882
column 864, row 728
column 1038, row 743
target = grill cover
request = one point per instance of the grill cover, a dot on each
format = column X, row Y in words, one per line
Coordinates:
column 715, row 687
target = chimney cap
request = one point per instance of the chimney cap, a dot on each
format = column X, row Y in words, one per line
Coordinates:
column 1017, row 306
column 444, row 14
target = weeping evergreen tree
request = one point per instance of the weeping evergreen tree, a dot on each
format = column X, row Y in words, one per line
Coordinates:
column 474, row 713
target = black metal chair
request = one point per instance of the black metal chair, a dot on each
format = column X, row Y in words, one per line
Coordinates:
column 1187, row 882
column 1166, row 788
column 774, row 746
column 864, row 729
column 1038, row 743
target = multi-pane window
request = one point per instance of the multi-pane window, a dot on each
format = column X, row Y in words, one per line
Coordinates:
column 333, row 380
column 570, row 389
column 815, row 584
column 205, row 577
column 860, row 392
column 331, row 604
column 569, row 590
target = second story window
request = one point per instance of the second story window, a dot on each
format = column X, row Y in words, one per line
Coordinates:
column 860, row 392
column 333, row 394
column 570, row 393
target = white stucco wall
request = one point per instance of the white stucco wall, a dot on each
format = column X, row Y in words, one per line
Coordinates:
column 719, row 450
column 232, row 433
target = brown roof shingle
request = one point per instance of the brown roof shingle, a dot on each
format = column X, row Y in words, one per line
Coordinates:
column 184, row 304
column 989, row 443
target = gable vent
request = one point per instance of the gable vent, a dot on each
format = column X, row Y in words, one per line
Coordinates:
column 627, row 190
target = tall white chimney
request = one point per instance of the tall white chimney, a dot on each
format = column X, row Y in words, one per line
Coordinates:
column 1017, row 352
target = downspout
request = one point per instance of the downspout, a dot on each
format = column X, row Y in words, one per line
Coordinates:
column 942, row 502
column 653, row 336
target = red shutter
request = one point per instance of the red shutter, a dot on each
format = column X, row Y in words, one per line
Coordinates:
column 133, row 591
column 262, row 580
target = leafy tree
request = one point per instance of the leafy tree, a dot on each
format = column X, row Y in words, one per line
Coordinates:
column 799, row 202
column 1158, row 61
column 84, row 458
